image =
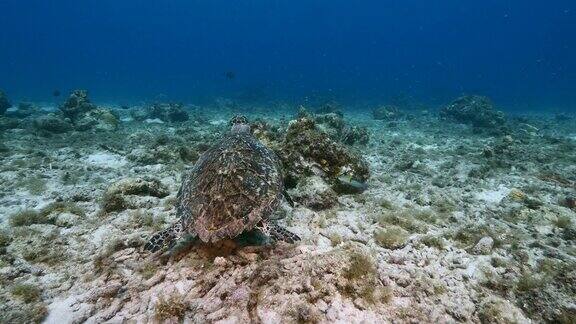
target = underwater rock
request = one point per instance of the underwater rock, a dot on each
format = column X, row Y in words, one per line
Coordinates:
column 331, row 123
column 8, row 123
column 52, row 124
column 162, row 155
column 473, row 110
column 168, row 112
column 308, row 151
column 139, row 114
column 77, row 105
column 334, row 125
column 139, row 186
column 355, row 135
column 484, row 246
column 267, row 133
column 387, row 113
column 4, row 103
column 568, row 202
column 87, row 116
column 314, row 193
column 25, row 109
column 98, row 119
column 498, row 310
column 124, row 193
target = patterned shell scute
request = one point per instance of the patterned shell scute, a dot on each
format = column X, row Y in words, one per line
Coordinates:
column 234, row 185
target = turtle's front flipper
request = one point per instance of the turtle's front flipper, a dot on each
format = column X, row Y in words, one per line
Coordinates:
column 164, row 239
column 277, row 232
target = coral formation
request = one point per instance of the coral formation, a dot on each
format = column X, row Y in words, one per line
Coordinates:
column 97, row 119
column 474, row 110
column 168, row 112
column 387, row 113
column 77, row 105
column 52, row 124
column 464, row 229
column 82, row 114
column 391, row 237
column 25, row 109
column 124, row 193
column 307, row 151
column 315, row 193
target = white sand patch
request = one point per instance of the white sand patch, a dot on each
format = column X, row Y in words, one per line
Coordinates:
column 66, row 310
column 218, row 122
column 101, row 234
column 108, row 160
column 493, row 196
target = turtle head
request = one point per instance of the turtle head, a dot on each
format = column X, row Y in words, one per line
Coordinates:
column 239, row 124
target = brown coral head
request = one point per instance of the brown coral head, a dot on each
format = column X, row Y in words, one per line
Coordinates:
column 570, row 202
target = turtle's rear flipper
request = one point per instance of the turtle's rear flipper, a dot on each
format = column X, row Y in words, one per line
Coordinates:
column 277, row 232
column 165, row 239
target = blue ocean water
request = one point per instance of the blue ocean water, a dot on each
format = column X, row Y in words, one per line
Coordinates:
column 519, row 53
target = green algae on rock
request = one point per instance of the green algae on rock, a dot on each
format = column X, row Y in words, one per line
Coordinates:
column 474, row 110
column 307, row 151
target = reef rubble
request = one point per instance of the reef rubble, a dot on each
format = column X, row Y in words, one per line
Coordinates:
column 424, row 221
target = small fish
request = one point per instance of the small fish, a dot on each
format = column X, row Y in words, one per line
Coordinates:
column 347, row 184
column 56, row 93
column 230, row 75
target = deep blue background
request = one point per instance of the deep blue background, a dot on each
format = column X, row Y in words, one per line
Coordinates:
column 521, row 53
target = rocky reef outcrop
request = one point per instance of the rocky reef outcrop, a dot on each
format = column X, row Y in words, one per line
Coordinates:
column 473, row 110
column 4, row 103
column 335, row 125
column 168, row 112
column 78, row 113
column 52, row 123
column 387, row 113
column 77, row 105
column 25, row 109
column 98, row 119
column 307, row 151
column 132, row 193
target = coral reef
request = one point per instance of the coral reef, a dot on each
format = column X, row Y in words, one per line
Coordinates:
column 98, row 119
column 307, row 151
column 387, row 113
column 474, row 110
column 335, row 126
column 126, row 193
column 52, row 124
column 25, row 109
column 168, row 112
column 82, row 114
column 77, row 105
column 447, row 226
column 315, row 193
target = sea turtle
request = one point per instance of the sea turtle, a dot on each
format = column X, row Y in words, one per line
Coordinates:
column 235, row 186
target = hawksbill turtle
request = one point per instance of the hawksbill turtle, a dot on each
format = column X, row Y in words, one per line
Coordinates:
column 235, row 186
